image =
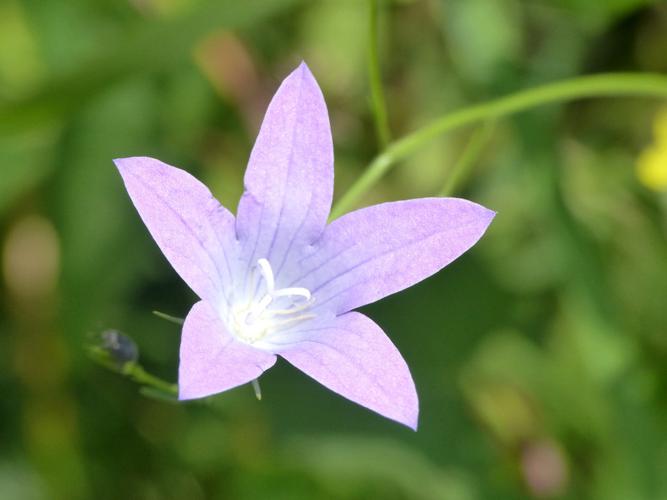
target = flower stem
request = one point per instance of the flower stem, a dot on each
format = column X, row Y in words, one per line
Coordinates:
column 137, row 373
column 602, row 85
column 378, row 102
column 466, row 161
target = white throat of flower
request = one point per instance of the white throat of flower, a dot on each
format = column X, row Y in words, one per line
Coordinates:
column 260, row 315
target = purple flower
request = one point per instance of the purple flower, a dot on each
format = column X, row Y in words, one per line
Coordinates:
column 277, row 280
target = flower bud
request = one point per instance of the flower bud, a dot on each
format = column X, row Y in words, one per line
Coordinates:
column 120, row 348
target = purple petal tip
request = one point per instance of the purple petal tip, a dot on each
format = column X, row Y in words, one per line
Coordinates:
column 122, row 164
column 303, row 71
column 411, row 420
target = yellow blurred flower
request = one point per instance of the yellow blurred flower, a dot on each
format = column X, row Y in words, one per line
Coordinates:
column 652, row 162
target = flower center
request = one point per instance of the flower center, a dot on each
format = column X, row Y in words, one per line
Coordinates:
column 270, row 311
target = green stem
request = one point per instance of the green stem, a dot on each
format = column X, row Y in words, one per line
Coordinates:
column 610, row 84
column 169, row 317
column 138, row 374
column 466, row 161
column 258, row 390
column 378, row 102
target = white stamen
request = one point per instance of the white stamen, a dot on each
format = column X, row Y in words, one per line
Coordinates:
column 295, row 309
column 261, row 305
column 252, row 319
column 287, row 292
column 267, row 274
column 296, row 319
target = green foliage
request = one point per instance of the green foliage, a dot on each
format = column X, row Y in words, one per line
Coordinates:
column 539, row 357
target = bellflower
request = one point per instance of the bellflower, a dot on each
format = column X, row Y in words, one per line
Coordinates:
column 276, row 280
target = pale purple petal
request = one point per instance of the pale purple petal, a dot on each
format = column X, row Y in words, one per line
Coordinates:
column 289, row 179
column 376, row 251
column 353, row 357
column 192, row 229
column 212, row 360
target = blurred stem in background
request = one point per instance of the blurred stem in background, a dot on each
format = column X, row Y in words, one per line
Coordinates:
column 378, row 101
column 609, row 84
column 459, row 173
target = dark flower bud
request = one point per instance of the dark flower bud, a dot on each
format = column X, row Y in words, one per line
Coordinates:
column 119, row 348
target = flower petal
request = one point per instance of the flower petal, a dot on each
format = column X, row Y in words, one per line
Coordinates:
column 212, row 360
column 189, row 225
column 289, row 179
column 353, row 357
column 376, row 251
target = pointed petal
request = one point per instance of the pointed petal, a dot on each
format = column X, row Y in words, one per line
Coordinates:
column 353, row 357
column 189, row 225
column 212, row 360
column 289, row 179
column 376, row 251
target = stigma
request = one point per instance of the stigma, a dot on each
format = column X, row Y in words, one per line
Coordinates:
column 264, row 310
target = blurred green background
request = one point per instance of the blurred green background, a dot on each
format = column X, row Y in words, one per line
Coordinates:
column 539, row 356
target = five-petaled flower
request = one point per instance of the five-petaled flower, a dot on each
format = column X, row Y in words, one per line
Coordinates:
column 277, row 280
